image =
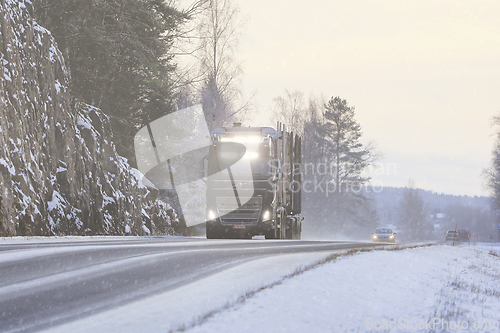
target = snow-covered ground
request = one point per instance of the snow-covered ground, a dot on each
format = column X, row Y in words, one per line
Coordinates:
column 425, row 289
column 438, row 288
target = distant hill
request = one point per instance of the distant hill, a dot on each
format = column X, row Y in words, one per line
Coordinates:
column 444, row 210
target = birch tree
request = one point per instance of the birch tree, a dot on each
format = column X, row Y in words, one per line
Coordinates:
column 291, row 110
column 219, row 31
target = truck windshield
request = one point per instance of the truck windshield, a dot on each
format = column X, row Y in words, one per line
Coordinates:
column 225, row 154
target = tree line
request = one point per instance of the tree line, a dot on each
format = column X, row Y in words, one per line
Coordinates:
column 122, row 57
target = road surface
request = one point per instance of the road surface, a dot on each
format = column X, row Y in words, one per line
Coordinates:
column 45, row 284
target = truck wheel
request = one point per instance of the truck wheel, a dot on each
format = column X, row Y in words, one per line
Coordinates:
column 213, row 234
column 282, row 223
column 271, row 234
column 298, row 230
column 290, row 228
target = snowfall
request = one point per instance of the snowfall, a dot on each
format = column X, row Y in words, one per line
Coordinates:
column 437, row 288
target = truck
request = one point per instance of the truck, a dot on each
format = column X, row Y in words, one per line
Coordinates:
column 254, row 183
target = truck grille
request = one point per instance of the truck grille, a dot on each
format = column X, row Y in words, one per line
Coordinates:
column 247, row 214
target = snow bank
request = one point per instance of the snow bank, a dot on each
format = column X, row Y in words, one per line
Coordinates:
column 440, row 288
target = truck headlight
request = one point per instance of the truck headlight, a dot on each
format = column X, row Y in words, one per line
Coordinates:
column 266, row 215
column 211, row 215
column 251, row 155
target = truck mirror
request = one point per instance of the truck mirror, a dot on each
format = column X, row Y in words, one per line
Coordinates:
column 204, row 168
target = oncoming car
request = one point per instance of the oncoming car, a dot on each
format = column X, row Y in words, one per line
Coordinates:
column 384, row 235
column 451, row 235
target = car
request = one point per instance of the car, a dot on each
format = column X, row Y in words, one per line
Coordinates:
column 451, row 235
column 463, row 235
column 384, row 235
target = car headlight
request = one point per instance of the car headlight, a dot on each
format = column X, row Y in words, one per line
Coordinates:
column 392, row 236
column 374, row 236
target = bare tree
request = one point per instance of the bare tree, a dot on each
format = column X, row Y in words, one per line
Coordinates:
column 492, row 174
column 219, row 30
column 413, row 215
column 186, row 48
column 291, row 110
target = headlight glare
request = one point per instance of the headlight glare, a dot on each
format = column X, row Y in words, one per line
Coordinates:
column 211, row 215
column 251, row 154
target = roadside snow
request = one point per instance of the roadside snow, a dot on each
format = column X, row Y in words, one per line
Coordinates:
column 488, row 247
column 439, row 288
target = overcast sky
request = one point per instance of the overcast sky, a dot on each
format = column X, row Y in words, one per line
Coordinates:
column 424, row 77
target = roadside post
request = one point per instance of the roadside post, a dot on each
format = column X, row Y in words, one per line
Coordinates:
column 455, row 234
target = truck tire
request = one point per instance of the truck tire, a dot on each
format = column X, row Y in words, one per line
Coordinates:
column 298, row 230
column 270, row 234
column 290, row 228
column 282, row 223
column 294, row 230
column 213, row 234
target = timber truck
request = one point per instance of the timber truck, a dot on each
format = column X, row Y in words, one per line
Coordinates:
column 260, row 191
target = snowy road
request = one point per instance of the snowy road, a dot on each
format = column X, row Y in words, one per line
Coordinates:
column 49, row 283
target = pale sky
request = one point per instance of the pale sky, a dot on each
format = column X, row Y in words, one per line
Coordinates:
column 424, row 77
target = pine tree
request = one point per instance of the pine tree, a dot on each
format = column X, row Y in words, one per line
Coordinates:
column 332, row 141
column 117, row 54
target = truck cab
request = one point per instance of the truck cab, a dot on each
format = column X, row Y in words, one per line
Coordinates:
column 249, row 192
